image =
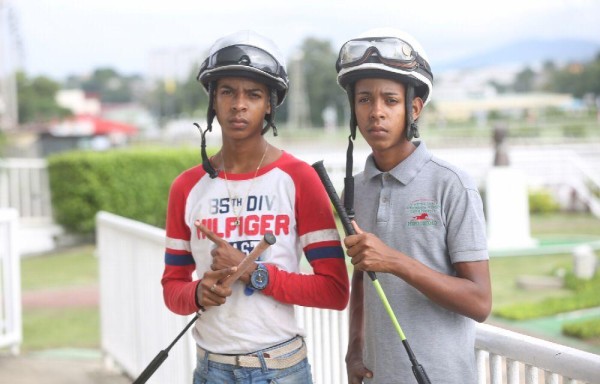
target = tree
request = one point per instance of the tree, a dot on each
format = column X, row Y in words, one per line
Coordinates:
column 108, row 84
column 524, row 81
column 577, row 79
column 36, row 101
column 321, row 79
column 171, row 98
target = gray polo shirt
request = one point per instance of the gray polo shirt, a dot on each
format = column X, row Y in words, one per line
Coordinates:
column 431, row 211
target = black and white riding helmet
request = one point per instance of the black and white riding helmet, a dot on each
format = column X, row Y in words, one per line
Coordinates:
column 247, row 54
column 386, row 53
column 243, row 54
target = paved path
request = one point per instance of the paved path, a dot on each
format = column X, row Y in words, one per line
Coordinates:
column 36, row 369
column 62, row 366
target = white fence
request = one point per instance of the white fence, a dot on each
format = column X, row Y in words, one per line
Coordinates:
column 11, row 333
column 135, row 324
column 565, row 170
column 24, row 182
column 24, row 186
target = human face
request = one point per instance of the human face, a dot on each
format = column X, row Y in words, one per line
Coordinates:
column 380, row 113
column 241, row 105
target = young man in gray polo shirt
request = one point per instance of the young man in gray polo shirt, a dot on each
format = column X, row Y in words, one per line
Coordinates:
column 419, row 223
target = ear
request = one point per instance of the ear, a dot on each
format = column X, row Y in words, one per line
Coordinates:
column 417, row 107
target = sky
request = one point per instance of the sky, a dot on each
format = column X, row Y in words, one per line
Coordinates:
column 58, row 38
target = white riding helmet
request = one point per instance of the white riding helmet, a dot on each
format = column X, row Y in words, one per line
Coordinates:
column 246, row 54
column 388, row 53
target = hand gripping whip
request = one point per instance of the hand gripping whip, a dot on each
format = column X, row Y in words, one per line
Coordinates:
column 417, row 368
column 268, row 240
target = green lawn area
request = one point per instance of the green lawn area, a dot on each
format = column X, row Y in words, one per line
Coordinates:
column 48, row 328
column 70, row 267
column 560, row 227
column 79, row 328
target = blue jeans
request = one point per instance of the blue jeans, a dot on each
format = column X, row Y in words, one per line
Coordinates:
column 210, row 372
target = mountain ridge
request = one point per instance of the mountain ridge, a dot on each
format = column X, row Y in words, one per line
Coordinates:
column 527, row 53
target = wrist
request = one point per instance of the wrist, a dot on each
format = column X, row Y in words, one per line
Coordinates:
column 198, row 295
column 259, row 279
column 245, row 278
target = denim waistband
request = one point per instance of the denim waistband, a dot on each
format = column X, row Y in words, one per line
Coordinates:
column 279, row 357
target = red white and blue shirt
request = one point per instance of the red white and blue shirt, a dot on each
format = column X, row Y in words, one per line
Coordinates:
column 285, row 198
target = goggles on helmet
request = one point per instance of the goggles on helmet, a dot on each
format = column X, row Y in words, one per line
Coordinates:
column 245, row 55
column 390, row 51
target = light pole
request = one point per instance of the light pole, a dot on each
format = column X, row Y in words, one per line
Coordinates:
column 8, row 89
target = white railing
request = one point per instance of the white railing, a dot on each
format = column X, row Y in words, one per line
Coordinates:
column 24, row 186
column 11, row 333
column 135, row 324
column 559, row 168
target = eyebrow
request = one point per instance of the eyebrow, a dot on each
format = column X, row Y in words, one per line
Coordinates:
column 389, row 93
column 229, row 87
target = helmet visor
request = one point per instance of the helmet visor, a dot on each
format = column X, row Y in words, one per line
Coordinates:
column 390, row 51
column 245, row 55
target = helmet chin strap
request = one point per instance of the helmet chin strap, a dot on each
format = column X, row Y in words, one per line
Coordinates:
column 212, row 172
column 271, row 116
column 210, row 116
column 412, row 129
column 349, row 179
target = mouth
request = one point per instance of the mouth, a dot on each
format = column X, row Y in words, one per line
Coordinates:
column 377, row 130
column 238, row 122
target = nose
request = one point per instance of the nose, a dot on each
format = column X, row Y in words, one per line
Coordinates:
column 239, row 103
column 376, row 109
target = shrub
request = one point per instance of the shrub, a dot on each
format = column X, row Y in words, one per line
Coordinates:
column 133, row 183
column 586, row 329
column 542, row 202
column 550, row 306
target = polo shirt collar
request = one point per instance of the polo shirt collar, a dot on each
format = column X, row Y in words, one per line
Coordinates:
column 408, row 168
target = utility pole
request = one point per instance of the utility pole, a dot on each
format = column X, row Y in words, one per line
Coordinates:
column 299, row 110
column 8, row 88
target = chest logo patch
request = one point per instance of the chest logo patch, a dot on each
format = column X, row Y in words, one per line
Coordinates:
column 423, row 213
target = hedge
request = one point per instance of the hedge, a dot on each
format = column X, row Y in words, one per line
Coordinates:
column 585, row 296
column 133, row 183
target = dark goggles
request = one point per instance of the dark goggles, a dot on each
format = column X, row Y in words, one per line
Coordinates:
column 390, row 51
column 248, row 56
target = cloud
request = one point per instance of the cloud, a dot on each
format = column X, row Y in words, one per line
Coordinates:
column 62, row 37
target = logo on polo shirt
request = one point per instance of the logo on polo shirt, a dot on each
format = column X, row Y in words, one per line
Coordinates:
column 423, row 213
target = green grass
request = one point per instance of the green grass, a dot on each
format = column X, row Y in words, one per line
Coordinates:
column 72, row 267
column 576, row 224
column 50, row 328
column 505, row 271
column 61, row 328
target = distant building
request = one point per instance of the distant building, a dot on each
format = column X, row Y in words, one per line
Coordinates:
column 467, row 94
column 515, row 103
column 78, row 102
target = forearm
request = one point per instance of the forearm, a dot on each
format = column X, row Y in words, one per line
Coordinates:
column 468, row 293
column 180, row 296
column 356, row 317
column 326, row 288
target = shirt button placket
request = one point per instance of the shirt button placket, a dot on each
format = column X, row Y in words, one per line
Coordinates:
column 383, row 211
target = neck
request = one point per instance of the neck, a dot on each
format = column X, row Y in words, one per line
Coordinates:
column 387, row 159
column 243, row 157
